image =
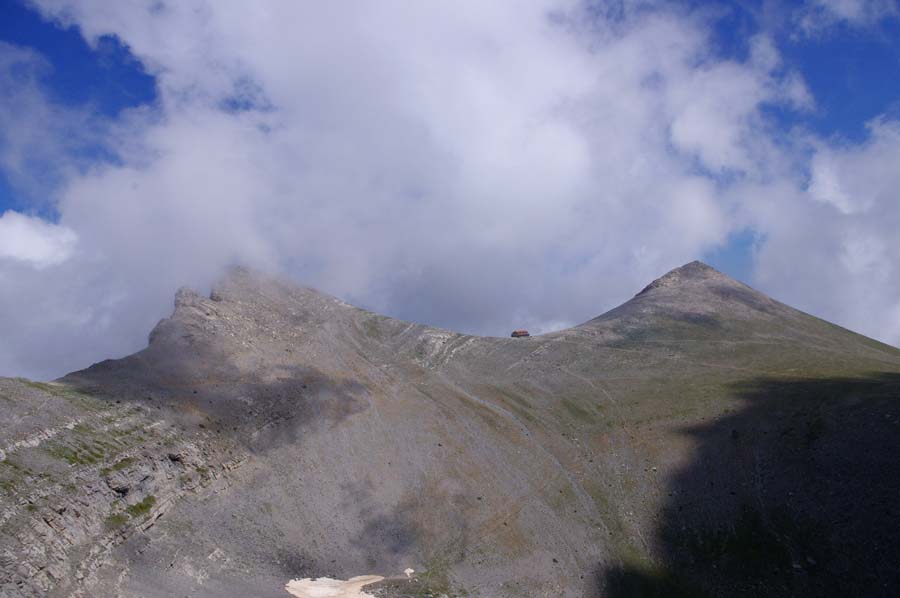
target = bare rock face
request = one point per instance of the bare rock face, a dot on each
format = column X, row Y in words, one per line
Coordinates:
column 81, row 474
column 701, row 439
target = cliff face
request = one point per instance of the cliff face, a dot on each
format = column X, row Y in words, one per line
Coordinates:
column 80, row 475
column 701, row 438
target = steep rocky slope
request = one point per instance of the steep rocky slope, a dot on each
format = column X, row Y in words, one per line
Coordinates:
column 699, row 439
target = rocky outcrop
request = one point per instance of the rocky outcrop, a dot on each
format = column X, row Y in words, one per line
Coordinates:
column 72, row 492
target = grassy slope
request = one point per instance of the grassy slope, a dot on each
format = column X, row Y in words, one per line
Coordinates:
column 751, row 452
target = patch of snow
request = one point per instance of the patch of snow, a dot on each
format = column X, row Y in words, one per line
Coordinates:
column 325, row 587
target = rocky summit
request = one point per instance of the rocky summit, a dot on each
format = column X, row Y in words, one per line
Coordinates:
column 700, row 440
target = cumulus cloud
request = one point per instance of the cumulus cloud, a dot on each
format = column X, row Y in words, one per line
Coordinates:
column 477, row 165
column 832, row 247
column 860, row 178
column 33, row 240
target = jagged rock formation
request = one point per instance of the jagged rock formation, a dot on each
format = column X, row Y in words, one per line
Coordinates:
column 699, row 439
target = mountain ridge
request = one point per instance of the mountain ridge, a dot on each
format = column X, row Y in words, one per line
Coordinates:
column 311, row 438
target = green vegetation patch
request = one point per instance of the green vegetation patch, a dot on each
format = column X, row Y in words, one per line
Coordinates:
column 53, row 389
column 142, row 508
column 511, row 400
column 84, row 429
column 431, row 583
column 523, row 414
column 372, row 327
column 122, row 432
column 81, row 452
column 85, row 401
column 11, row 464
column 73, row 456
column 507, row 393
column 134, row 511
column 123, row 463
column 116, row 520
column 577, row 412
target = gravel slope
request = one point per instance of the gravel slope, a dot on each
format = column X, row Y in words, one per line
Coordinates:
column 699, row 439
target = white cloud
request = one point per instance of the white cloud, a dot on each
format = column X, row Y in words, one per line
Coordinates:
column 477, row 165
column 863, row 177
column 34, row 241
column 832, row 247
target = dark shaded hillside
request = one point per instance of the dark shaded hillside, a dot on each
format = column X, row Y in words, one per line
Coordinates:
column 795, row 494
column 702, row 438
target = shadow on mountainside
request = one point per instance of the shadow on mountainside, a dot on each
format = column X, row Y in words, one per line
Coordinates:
column 795, row 494
column 207, row 388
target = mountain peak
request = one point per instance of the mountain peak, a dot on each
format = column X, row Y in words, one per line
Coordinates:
column 691, row 274
column 694, row 293
column 242, row 284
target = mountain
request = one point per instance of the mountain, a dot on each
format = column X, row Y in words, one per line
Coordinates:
column 701, row 439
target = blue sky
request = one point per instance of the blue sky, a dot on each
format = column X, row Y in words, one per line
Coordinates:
column 377, row 152
column 105, row 78
column 851, row 72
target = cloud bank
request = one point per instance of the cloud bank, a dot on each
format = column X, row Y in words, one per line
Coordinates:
column 479, row 166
